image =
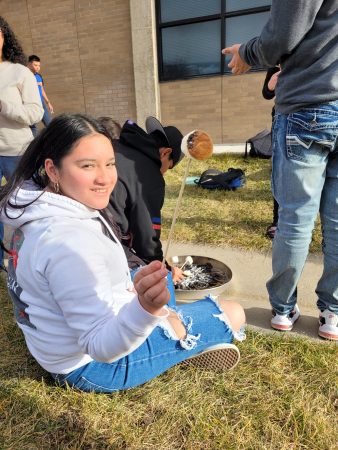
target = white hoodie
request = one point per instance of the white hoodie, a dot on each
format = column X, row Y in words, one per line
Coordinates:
column 69, row 283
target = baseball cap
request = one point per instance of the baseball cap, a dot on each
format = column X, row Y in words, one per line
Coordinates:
column 172, row 135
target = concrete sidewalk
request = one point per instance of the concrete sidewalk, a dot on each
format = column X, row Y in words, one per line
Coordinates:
column 250, row 271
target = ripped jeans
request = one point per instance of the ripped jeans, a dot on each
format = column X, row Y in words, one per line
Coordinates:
column 206, row 325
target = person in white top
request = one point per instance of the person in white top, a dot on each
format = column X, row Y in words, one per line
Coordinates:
column 82, row 318
column 20, row 104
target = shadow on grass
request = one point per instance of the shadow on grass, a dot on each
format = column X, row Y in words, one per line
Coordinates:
column 244, row 194
column 260, row 175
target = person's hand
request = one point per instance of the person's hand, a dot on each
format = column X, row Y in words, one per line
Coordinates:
column 273, row 81
column 177, row 274
column 50, row 107
column 151, row 286
column 237, row 65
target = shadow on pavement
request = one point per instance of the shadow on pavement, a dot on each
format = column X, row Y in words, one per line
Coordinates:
column 260, row 318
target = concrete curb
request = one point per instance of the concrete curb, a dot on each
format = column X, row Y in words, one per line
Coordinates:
column 220, row 149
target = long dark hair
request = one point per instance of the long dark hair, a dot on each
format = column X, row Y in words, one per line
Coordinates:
column 54, row 142
column 11, row 50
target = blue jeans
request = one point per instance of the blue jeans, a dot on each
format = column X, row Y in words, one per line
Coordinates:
column 205, row 325
column 305, row 182
column 46, row 119
column 7, row 166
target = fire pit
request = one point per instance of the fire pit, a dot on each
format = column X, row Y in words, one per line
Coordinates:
column 204, row 276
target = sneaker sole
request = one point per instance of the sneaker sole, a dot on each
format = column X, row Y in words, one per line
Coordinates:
column 329, row 336
column 281, row 327
column 216, row 359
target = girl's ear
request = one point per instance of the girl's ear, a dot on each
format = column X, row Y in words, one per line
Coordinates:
column 51, row 171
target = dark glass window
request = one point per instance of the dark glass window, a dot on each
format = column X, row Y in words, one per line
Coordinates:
column 186, row 9
column 191, row 50
column 191, row 33
column 243, row 28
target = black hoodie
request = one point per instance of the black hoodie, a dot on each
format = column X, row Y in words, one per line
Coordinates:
column 138, row 197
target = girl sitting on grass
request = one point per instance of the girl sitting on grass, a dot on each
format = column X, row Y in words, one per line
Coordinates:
column 82, row 318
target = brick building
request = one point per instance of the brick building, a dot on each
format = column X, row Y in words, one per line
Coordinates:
column 101, row 57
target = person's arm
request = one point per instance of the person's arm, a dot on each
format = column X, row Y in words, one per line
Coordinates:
column 145, row 228
column 139, row 219
column 30, row 111
column 118, row 208
column 44, row 95
column 289, row 22
column 82, row 284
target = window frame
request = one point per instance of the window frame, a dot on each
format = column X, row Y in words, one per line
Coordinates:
column 222, row 16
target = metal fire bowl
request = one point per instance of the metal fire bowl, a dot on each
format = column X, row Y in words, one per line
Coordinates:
column 185, row 295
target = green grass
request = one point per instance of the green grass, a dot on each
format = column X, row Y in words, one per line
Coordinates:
column 282, row 396
column 224, row 218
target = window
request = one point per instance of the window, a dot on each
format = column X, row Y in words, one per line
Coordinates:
column 192, row 33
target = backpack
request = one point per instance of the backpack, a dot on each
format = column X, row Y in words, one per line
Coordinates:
column 216, row 179
column 260, row 145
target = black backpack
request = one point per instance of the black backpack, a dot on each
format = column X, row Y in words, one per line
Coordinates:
column 260, row 145
column 216, row 179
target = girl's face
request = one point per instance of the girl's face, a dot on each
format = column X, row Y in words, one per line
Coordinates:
column 87, row 174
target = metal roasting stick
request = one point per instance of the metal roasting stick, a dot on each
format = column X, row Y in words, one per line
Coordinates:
column 176, row 210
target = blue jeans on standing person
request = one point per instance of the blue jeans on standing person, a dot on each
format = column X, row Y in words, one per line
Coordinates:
column 305, row 182
column 7, row 166
column 46, row 119
column 206, row 325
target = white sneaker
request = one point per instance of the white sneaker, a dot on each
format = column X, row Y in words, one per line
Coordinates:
column 217, row 357
column 285, row 322
column 328, row 325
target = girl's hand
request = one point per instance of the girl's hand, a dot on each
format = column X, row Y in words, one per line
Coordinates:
column 151, row 286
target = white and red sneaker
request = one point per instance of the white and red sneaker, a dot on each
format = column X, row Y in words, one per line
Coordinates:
column 285, row 322
column 328, row 325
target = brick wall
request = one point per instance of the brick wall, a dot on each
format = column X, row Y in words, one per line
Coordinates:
column 85, row 49
column 86, row 52
column 230, row 108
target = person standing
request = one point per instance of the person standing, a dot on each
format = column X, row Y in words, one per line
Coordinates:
column 34, row 64
column 20, row 105
column 303, row 37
